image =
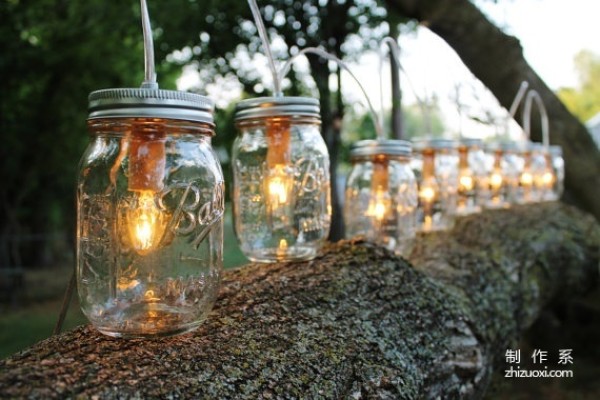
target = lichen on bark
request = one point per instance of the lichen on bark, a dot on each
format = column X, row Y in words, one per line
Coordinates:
column 358, row 322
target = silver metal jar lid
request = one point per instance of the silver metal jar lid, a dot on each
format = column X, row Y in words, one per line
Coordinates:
column 436, row 144
column 556, row 150
column 363, row 148
column 470, row 142
column 511, row 146
column 288, row 106
column 150, row 103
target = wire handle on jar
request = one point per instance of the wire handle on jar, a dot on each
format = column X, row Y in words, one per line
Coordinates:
column 262, row 33
column 534, row 95
column 394, row 50
column 149, row 69
column 515, row 104
column 322, row 53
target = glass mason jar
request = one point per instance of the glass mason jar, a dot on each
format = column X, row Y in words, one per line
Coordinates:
column 281, row 194
column 512, row 169
column 495, row 184
column 558, row 174
column 471, row 176
column 381, row 194
column 536, row 171
column 150, row 213
column 436, row 169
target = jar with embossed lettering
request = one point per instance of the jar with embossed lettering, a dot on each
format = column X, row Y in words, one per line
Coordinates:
column 150, row 213
column 281, row 193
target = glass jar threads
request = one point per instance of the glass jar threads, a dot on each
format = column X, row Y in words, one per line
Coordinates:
column 471, row 176
column 381, row 194
column 436, row 169
column 150, row 213
column 281, row 194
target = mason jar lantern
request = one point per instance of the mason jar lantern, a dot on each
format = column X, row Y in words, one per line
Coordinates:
column 436, row 168
column 150, row 213
column 281, row 193
column 381, row 194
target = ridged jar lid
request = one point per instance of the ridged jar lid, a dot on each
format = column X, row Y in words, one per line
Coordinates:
column 150, row 103
column 470, row 142
column 363, row 148
column 289, row 106
column 506, row 146
column 436, row 144
column 556, row 150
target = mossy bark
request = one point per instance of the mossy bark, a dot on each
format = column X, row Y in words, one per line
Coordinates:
column 357, row 322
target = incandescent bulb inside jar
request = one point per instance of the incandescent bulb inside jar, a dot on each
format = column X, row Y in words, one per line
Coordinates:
column 145, row 222
column 380, row 201
column 496, row 180
column 278, row 186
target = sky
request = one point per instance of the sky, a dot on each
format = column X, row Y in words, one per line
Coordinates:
column 551, row 32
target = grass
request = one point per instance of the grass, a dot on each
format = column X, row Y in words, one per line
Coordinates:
column 35, row 316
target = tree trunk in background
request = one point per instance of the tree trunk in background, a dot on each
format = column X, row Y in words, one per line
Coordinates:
column 497, row 60
column 397, row 123
column 331, row 134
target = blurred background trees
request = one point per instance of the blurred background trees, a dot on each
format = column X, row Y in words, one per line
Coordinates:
column 55, row 52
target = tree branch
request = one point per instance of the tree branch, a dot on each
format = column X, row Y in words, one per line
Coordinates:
column 497, row 60
column 356, row 323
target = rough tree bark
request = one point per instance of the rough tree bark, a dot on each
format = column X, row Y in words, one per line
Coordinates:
column 356, row 323
column 497, row 60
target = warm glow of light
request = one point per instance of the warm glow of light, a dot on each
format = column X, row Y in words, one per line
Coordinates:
column 427, row 223
column 379, row 205
column 526, row 179
column 466, row 183
column 283, row 244
column 145, row 223
column 427, row 194
column 496, row 181
column 279, row 184
column 548, row 179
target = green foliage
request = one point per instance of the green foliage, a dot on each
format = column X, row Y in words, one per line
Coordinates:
column 584, row 101
column 54, row 53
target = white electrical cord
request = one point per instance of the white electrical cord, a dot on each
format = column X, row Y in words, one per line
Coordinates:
column 286, row 68
column 534, row 95
column 149, row 70
column 262, row 32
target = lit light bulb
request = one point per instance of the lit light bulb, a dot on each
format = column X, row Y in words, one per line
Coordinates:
column 145, row 222
column 380, row 202
column 427, row 194
column 466, row 182
column 548, row 179
column 526, row 179
column 379, row 205
column 496, row 181
column 278, row 186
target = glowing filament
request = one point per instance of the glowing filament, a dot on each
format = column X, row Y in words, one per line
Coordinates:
column 379, row 205
column 279, row 184
column 427, row 194
column 496, row 181
column 548, row 179
column 145, row 223
column 380, row 202
column 526, row 179
column 466, row 183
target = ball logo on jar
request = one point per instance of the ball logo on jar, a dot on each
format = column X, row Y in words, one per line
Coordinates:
column 190, row 213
